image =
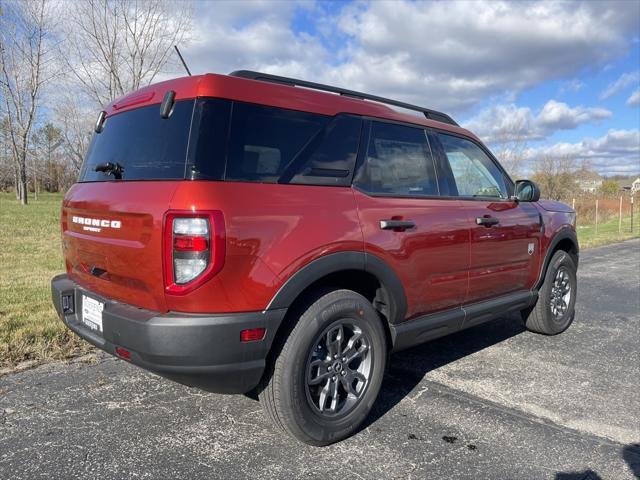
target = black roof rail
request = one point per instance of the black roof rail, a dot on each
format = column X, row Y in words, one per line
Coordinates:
column 428, row 113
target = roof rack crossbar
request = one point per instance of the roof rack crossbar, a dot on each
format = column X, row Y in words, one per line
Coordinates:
column 428, row 113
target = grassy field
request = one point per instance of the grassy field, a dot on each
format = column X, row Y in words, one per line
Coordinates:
column 607, row 232
column 31, row 255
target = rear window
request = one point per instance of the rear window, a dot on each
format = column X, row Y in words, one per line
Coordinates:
column 145, row 145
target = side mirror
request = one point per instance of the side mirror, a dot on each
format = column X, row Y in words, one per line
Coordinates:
column 527, row 191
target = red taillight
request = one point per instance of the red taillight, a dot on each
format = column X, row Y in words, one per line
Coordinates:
column 187, row 243
column 123, row 353
column 194, row 249
column 252, row 334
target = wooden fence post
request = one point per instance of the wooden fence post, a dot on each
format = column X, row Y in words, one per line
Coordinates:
column 573, row 204
column 631, row 213
column 596, row 216
column 620, row 219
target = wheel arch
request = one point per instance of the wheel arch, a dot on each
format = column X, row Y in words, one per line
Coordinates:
column 565, row 240
column 361, row 272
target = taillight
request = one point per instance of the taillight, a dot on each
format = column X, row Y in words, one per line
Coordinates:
column 194, row 249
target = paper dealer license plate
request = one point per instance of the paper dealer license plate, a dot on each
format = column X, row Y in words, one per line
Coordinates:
column 92, row 313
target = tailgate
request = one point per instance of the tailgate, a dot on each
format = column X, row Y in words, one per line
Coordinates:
column 112, row 239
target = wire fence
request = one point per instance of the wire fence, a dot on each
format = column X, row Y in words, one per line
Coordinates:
column 604, row 219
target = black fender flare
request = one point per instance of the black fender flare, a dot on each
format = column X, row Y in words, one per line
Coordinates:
column 342, row 261
column 563, row 234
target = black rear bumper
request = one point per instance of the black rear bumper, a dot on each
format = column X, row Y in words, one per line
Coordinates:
column 203, row 351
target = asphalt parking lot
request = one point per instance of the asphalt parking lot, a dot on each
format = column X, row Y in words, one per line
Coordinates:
column 493, row 402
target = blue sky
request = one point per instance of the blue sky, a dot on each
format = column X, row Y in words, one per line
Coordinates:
column 560, row 78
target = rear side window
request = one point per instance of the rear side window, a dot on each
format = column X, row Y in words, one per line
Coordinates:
column 144, row 145
column 331, row 157
column 475, row 174
column 398, row 162
column 264, row 141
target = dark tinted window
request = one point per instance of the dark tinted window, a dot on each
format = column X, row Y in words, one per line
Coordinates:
column 209, row 133
column 144, row 144
column 331, row 157
column 264, row 141
column 398, row 162
column 475, row 174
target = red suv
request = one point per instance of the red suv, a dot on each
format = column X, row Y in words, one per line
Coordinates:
column 255, row 233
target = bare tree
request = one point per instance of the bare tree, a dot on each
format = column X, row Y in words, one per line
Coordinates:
column 47, row 141
column 511, row 147
column 24, row 65
column 75, row 122
column 116, row 46
column 556, row 176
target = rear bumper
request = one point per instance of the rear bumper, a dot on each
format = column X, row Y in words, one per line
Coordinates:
column 197, row 350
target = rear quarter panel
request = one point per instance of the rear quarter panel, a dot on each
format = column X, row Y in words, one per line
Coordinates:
column 271, row 232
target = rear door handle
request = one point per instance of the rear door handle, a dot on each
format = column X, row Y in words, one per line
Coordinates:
column 397, row 225
column 487, row 221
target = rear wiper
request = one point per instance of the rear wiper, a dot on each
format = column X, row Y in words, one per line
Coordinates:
column 111, row 168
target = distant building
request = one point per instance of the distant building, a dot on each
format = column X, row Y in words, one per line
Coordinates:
column 635, row 185
column 590, row 186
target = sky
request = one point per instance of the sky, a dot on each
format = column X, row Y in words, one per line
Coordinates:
column 560, row 78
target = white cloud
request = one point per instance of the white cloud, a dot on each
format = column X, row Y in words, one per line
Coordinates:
column 626, row 79
column 559, row 116
column 617, row 152
column 444, row 55
column 504, row 123
column 634, row 99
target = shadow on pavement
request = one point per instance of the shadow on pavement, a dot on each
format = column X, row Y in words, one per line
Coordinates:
column 630, row 454
column 406, row 369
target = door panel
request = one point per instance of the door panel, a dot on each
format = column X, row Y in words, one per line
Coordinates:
column 430, row 259
column 503, row 256
column 425, row 239
column 504, row 234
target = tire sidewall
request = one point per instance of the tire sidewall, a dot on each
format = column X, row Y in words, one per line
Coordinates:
column 559, row 259
column 334, row 306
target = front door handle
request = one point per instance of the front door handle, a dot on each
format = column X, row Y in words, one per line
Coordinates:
column 487, row 221
column 396, row 225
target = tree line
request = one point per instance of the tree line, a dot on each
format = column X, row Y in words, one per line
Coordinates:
column 60, row 63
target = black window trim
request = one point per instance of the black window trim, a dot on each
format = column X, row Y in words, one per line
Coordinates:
column 363, row 151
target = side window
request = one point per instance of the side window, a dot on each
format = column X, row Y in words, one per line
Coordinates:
column 265, row 140
column 331, row 157
column 475, row 174
column 398, row 162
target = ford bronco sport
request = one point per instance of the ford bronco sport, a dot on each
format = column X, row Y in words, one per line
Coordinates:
column 253, row 233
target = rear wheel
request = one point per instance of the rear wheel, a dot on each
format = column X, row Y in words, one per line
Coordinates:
column 327, row 374
column 555, row 307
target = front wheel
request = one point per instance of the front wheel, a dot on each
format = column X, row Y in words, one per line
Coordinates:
column 555, row 307
column 324, row 380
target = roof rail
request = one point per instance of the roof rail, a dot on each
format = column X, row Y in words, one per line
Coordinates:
column 428, row 113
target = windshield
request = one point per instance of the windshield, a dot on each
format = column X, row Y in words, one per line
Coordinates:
column 140, row 145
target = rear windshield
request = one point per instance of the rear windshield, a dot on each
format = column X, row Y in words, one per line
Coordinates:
column 217, row 139
column 143, row 144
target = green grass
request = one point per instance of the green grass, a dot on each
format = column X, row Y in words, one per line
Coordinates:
column 30, row 255
column 607, row 232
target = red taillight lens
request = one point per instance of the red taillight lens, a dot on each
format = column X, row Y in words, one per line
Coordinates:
column 252, row 334
column 187, row 243
column 123, row 353
column 194, row 249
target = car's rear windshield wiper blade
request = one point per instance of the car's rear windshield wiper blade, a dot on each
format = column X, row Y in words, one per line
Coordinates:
column 111, row 168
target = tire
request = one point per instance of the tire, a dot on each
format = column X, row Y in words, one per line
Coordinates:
column 553, row 311
column 302, row 410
